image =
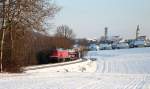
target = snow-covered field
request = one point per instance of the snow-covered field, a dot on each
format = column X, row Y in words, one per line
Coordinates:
column 116, row 69
column 128, row 61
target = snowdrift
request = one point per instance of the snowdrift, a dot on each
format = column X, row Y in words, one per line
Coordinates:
column 83, row 66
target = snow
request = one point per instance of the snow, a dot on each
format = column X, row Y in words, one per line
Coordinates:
column 132, row 61
column 85, row 66
column 116, row 69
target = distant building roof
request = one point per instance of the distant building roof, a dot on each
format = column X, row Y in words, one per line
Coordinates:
column 112, row 38
column 141, row 37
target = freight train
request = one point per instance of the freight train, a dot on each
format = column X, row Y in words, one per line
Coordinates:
column 59, row 55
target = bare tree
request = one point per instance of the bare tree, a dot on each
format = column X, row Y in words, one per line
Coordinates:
column 19, row 17
column 64, row 31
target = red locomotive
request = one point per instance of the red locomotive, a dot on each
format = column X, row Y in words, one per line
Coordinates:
column 58, row 55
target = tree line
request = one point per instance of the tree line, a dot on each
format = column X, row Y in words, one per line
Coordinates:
column 23, row 34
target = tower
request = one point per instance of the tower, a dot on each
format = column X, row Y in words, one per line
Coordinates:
column 137, row 31
column 106, row 33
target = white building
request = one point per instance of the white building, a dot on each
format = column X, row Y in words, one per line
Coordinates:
column 93, row 47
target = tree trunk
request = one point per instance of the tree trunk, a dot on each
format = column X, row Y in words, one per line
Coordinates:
column 1, row 54
column 3, row 36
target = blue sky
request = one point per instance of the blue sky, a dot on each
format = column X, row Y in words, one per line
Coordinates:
column 89, row 17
